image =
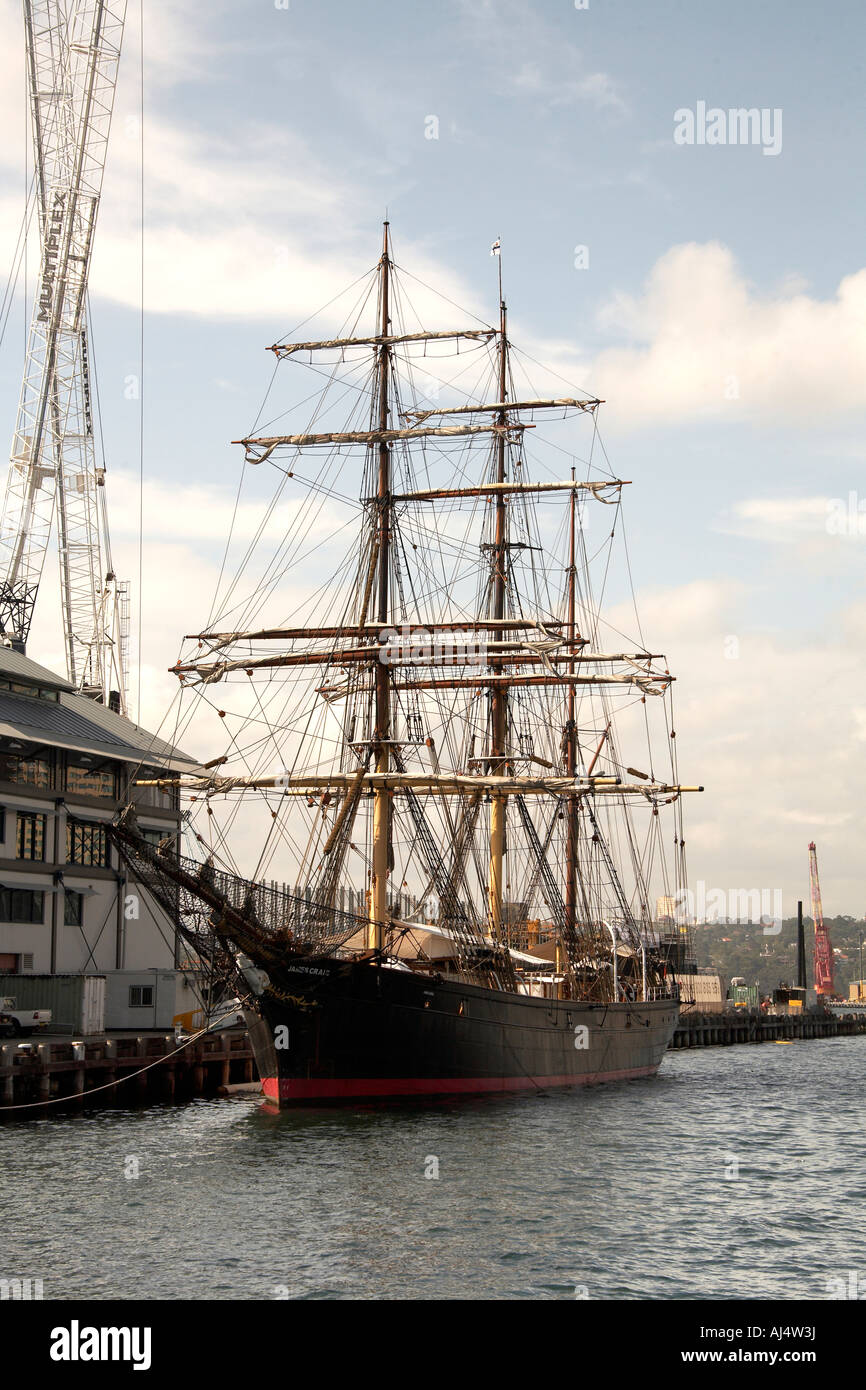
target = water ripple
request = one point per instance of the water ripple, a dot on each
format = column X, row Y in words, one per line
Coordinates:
column 737, row 1173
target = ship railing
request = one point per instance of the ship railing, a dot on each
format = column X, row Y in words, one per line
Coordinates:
column 274, row 909
column 663, row 992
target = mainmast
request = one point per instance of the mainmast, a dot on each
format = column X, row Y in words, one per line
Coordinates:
column 382, row 730
column 573, row 813
column 499, row 693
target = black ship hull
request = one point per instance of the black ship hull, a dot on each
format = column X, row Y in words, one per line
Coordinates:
column 337, row 1031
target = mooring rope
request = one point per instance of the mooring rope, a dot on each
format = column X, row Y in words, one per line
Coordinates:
column 110, row 1085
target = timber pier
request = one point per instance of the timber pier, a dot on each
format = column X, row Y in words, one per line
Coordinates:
column 141, row 1070
column 752, row 1026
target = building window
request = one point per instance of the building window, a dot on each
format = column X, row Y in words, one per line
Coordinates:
column 30, row 835
column 156, row 837
column 21, row 905
column 2, row 825
column 39, row 692
column 141, row 996
column 91, row 781
column 33, row 772
column 165, row 798
column 73, row 909
column 86, row 843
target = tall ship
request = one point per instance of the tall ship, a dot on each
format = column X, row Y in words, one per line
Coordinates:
column 438, row 850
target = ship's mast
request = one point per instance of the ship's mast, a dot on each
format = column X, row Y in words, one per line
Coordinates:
column 499, row 694
column 382, row 731
column 572, row 814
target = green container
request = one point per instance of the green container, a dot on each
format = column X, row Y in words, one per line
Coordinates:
column 77, row 1002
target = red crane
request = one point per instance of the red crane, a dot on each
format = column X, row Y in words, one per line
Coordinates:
column 823, row 949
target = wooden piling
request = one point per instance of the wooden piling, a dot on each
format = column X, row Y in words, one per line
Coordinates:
column 720, row 1030
column 57, row 1067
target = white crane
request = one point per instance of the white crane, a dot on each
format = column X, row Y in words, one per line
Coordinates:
column 73, row 49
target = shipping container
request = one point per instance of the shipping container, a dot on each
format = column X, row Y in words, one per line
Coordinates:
column 701, row 992
column 77, row 1002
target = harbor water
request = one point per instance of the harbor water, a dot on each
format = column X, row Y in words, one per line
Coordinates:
column 735, row 1173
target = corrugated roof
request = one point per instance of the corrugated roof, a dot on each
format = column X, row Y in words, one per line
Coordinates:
column 17, row 667
column 78, row 723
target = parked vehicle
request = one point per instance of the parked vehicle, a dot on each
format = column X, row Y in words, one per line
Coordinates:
column 15, row 1022
column 741, row 995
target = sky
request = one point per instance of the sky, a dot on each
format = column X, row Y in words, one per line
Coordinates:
column 713, row 294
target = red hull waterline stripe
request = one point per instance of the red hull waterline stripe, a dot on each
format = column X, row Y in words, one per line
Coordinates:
column 297, row 1088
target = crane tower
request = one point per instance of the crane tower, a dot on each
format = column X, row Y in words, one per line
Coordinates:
column 73, row 50
column 823, row 949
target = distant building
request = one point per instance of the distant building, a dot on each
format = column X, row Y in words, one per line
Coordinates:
column 666, row 910
column 67, row 764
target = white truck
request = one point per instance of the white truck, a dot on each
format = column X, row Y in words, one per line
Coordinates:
column 17, row 1022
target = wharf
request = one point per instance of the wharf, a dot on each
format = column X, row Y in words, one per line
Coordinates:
column 752, row 1026
column 47, row 1068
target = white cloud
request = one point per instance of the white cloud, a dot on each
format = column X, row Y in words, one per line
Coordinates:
column 198, row 512
column 703, row 345
column 598, row 88
column 234, row 227
column 552, row 93
column 185, row 529
column 707, row 346
column 557, row 74
column 816, row 821
column 776, row 518
column 770, row 734
column 226, row 239
column 816, row 523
